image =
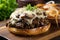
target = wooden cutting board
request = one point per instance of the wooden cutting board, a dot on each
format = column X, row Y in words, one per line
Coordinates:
column 45, row 36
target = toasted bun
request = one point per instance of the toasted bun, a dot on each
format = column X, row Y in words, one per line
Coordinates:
column 34, row 31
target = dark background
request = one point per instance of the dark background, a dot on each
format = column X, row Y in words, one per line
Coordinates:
column 57, row 1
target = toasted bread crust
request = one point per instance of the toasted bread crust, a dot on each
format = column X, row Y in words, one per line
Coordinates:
column 34, row 31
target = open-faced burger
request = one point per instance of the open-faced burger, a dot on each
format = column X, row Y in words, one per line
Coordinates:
column 28, row 21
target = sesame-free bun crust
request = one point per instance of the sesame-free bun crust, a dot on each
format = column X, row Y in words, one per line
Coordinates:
column 34, row 31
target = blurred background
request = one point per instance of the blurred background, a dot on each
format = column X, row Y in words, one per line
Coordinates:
column 8, row 6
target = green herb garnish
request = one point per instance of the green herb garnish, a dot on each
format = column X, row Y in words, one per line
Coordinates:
column 29, row 7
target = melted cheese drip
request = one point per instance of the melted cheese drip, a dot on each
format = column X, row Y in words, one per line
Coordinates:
column 23, row 11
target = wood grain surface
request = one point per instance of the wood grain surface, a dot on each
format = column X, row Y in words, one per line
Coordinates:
column 53, row 32
column 45, row 36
